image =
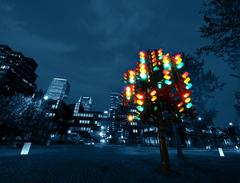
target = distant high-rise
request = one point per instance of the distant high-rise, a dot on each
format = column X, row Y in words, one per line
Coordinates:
column 17, row 72
column 115, row 101
column 86, row 102
column 83, row 104
column 58, row 89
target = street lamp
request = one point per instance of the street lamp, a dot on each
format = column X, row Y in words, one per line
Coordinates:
column 199, row 118
column 130, row 118
column 101, row 134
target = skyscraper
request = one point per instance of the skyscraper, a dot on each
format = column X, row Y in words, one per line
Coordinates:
column 58, row 89
column 17, row 72
column 83, row 104
column 115, row 101
column 86, row 102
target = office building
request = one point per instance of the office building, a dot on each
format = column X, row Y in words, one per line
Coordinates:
column 86, row 102
column 58, row 89
column 17, row 72
column 115, row 101
column 83, row 104
column 86, row 124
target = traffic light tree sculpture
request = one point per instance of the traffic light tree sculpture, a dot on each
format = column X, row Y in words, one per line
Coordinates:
column 160, row 89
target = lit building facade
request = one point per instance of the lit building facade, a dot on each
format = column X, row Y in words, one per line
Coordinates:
column 127, row 127
column 133, row 127
column 83, row 104
column 115, row 101
column 58, row 115
column 86, row 102
column 78, row 108
column 17, row 72
column 115, row 106
column 58, row 89
column 87, row 124
column 90, row 124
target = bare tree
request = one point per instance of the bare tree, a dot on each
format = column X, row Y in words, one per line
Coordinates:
column 205, row 84
column 222, row 27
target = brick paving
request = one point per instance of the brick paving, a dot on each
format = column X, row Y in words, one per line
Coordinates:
column 93, row 164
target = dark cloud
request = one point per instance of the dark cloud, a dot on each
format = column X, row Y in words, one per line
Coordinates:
column 92, row 42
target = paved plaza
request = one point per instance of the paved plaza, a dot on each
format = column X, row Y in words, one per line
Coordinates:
column 105, row 163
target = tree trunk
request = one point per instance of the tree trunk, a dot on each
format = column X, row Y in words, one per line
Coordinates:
column 178, row 141
column 163, row 151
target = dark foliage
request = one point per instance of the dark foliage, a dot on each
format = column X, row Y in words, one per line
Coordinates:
column 222, row 27
column 24, row 119
column 205, row 84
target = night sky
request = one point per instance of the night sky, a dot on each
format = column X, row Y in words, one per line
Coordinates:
column 91, row 43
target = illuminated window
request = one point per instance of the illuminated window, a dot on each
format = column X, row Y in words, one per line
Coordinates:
column 135, row 130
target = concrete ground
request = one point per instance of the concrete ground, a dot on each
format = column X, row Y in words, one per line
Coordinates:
column 99, row 163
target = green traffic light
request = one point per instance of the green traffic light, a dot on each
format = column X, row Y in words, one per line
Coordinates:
column 143, row 76
column 131, row 81
column 142, row 60
column 189, row 85
column 160, row 85
column 180, row 65
column 167, row 66
column 156, row 68
column 168, row 82
column 189, row 105
column 140, row 108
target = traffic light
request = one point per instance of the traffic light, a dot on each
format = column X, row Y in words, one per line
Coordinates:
column 153, row 54
column 167, row 62
column 189, row 105
column 132, row 77
column 187, row 99
column 187, row 80
column 160, row 54
column 167, row 69
column 167, row 77
column 154, row 60
column 143, row 71
column 179, row 103
column 158, row 80
column 178, row 61
column 185, row 75
column 186, row 95
column 125, row 78
column 181, row 109
column 159, row 85
column 140, row 102
column 153, row 95
column 128, row 92
column 142, row 56
column 183, row 101
column 189, row 85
